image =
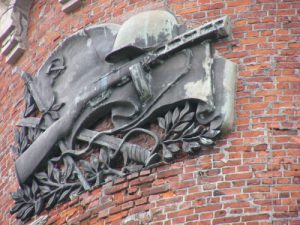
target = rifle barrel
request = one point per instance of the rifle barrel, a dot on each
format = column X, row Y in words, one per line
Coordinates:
column 216, row 29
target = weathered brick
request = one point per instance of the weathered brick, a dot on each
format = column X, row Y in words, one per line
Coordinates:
column 115, row 188
column 142, row 180
column 262, row 148
column 156, row 190
column 181, row 213
column 169, row 173
column 239, row 176
column 226, row 220
column 208, row 208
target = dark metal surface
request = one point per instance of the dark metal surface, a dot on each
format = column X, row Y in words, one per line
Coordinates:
column 182, row 84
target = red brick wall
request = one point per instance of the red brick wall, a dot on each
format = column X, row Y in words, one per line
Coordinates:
column 253, row 174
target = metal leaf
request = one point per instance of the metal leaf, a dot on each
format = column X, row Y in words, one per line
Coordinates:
column 205, row 141
column 161, row 122
column 37, row 133
column 21, row 211
column 38, row 206
column 17, row 207
column 94, row 162
column 54, row 115
column 30, row 134
column 103, row 156
column 194, row 145
column 189, row 129
column 29, row 110
column 52, row 102
column 27, row 191
column 18, row 196
column 52, row 201
column 41, row 176
column 50, row 168
column 17, row 135
column 34, row 187
column 57, row 107
column 192, row 131
column 173, row 148
column 86, row 166
column 56, row 175
column 168, row 119
column 44, row 189
column 23, row 133
column 187, row 148
column 175, row 116
column 188, row 117
column 99, row 178
column 181, row 127
column 65, row 194
column 24, row 145
column 69, row 169
column 185, row 110
column 27, row 213
column 76, row 191
column 167, row 155
column 217, row 123
column 30, row 103
column 211, row 134
column 15, row 150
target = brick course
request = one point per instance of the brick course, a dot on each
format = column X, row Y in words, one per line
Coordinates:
column 252, row 176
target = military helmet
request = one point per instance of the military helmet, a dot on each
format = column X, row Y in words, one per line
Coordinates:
column 141, row 33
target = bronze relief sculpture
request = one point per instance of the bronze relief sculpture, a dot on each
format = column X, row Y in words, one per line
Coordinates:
column 149, row 70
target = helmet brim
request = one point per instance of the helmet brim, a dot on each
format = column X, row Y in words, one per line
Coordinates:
column 127, row 52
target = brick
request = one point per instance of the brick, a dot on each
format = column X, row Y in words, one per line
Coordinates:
column 115, row 188
column 288, row 79
column 294, row 45
column 145, row 172
column 239, row 176
column 131, row 197
column 132, row 190
column 142, row 180
column 181, row 213
column 141, row 201
column 127, row 205
column 257, row 189
column 237, row 205
column 287, row 188
column 263, row 142
column 132, row 176
column 182, row 185
column 255, row 106
column 169, row 173
column 208, row 208
column 187, row 11
column 226, row 220
column 116, row 216
column 156, row 190
column 140, row 208
column 115, row 210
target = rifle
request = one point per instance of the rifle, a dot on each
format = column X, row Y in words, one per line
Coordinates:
column 136, row 70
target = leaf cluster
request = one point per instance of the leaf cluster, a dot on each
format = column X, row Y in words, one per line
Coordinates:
column 28, row 201
column 95, row 167
column 30, row 106
column 23, row 138
column 53, row 110
column 181, row 127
